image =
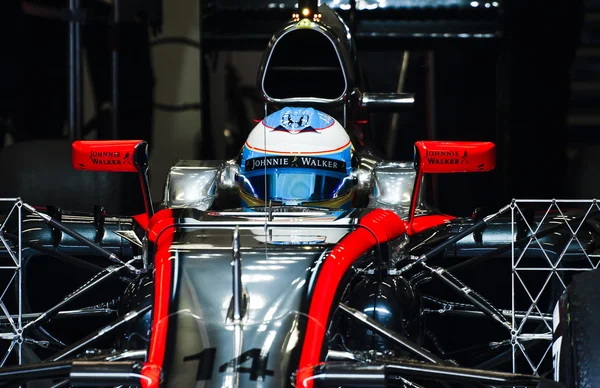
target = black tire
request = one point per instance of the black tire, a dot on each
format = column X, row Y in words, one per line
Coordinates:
column 576, row 346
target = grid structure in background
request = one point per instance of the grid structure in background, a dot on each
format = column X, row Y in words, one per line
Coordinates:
column 11, row 276
column 546, row 254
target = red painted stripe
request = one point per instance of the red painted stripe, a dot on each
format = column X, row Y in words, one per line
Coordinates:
column 159, row 217
column 379, row 226
column 143, row 220
column 422, row 223
column 161, row 233
column 151, row 376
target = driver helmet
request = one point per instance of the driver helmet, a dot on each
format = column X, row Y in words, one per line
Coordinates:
column 297, row 156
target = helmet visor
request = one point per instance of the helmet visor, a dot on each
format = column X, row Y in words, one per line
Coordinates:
column 296, row 185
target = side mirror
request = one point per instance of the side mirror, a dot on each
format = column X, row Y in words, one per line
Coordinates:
column 387, row 102
column 115, row 156
column 110, row 155
column 454, row 156
column 435, row 157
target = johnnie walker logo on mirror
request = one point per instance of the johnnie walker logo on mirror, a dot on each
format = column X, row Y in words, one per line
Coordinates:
column 446, row 157
column 114, row 158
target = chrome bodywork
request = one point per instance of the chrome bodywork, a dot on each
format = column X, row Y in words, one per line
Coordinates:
column 242, row 282
column 258, row 340
column 192, row 183
column 392, row 187
column 198, row 184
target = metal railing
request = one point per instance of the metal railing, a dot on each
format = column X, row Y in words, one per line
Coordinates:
column 538, row 282
column 14, row 331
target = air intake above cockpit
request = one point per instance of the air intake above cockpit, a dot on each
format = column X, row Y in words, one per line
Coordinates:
column 304, row 64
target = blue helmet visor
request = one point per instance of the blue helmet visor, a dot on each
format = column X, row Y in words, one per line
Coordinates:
column 296, row 185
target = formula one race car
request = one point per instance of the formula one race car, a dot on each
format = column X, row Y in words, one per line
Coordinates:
column 304, row 261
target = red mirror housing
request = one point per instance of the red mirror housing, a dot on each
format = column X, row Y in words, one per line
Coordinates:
column 115, row 156
column 108, row 155
column 435, row 157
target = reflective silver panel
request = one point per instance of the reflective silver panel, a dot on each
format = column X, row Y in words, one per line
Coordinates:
column 392, row 187
column 196, row 184
column 263, row 344
column 192, row 183
column 229, row 172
